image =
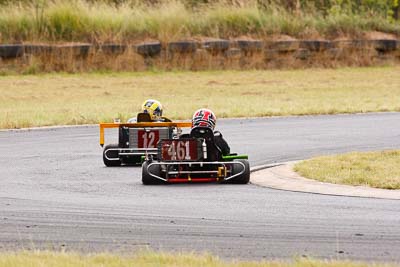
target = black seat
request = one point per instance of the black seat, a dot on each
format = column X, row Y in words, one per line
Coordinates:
column 213, row 151
column 143, row 117
column 164, row 119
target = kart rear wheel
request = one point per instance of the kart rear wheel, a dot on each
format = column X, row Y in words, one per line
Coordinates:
column 147, row 179
column 111, row 154
column 244, row 178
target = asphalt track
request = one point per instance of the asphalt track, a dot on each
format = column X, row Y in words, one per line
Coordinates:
column 55, row 193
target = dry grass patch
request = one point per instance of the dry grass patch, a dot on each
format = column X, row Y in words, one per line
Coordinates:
column 62, row 259
column 374, row 169
column 56, row 99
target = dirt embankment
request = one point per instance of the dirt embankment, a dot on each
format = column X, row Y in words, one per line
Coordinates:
column 282, row 51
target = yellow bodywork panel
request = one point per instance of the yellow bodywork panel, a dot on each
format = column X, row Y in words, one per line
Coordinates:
column 140, row 125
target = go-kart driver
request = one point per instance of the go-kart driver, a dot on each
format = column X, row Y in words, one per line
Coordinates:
column 154, row 109
column 206, row 118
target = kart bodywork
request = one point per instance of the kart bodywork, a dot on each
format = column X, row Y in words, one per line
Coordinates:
column 194, row 158
column 136, row 140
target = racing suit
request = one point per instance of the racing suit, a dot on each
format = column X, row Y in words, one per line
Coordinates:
column 221, row 143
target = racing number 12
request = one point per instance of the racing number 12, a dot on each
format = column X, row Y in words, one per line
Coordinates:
column 147, row 139
column 179, row 150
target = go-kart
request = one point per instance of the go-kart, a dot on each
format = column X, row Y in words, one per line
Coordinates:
column 194, row 158
column 138, row 139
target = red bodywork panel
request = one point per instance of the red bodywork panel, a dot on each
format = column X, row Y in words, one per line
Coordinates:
column 148, row 139
column 179, row 150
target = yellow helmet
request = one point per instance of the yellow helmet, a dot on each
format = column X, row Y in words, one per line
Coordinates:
column 153, row 108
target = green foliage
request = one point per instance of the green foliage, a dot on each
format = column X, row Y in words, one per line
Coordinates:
column 127, row 20
column 386, row 8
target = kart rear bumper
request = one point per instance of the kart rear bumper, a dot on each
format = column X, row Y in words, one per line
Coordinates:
column 222, row 172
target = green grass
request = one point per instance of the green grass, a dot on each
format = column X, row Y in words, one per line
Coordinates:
column 373, row 169
column 63, row 259
column 62, row 21
column 58, row 99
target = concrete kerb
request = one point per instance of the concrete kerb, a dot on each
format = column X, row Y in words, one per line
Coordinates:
column 282, row 177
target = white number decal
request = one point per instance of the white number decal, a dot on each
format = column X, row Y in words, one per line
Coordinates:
column 180, row 151
column 172, row 151
column 187, row 157
column 148, row 139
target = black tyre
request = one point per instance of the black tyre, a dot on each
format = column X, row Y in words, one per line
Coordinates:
column 182, row 47
column 216, row 46
column 244, row 178
column 315, row 46
column 111, row 154
column 11, row 50
column 37, row 49
column 250, row 46
column 114, row 49
column 384, row 45
column 147, row 179
column 284, row 46
column 149, row 49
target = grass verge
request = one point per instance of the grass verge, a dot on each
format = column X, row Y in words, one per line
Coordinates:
column 59, row 99
column 62, row 259
column 374, row 169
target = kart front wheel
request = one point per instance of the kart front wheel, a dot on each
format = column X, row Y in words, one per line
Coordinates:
column 111, row 154
column 243, row 178
column 147, row 179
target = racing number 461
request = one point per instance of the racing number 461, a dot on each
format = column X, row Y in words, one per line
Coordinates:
column 179, row 150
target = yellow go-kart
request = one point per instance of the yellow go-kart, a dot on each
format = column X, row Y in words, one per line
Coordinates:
column 137, row 140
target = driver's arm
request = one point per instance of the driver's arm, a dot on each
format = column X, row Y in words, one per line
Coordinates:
column 221, row 143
